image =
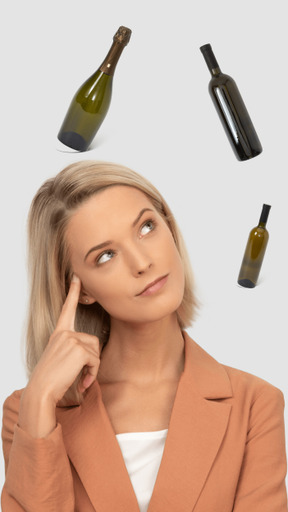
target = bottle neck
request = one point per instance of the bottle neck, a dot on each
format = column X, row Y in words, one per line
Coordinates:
column 120, row 40
column 210, row 59
column 110, row 62
column 264, row 215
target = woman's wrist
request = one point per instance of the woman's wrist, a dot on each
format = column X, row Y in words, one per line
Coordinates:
column 37, row 413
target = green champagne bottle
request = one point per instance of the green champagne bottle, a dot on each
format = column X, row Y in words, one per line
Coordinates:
column 231, row 110
column 91, row 102
column 254, row 252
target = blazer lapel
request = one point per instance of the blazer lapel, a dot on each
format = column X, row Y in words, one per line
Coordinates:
column 93, row 449
column 196, row 430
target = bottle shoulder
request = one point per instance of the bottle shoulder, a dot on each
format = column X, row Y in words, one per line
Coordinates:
column 99, row 77
column 221, row 79
column 97, row 83
column 259, row 232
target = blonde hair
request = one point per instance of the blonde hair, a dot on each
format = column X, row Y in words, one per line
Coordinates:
column 48, row 256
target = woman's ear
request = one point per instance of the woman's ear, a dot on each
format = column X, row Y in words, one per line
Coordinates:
column 86, row 299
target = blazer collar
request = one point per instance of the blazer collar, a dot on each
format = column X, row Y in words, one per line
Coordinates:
column 189, row 451
column 204, row 373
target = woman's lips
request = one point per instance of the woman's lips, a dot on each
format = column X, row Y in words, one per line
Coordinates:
column 154, row 286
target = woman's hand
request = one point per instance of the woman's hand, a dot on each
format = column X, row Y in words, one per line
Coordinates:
column 66, row 355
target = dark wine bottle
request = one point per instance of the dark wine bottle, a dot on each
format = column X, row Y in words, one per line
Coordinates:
column 231, row 110
column 91, row 102
column 254, row 252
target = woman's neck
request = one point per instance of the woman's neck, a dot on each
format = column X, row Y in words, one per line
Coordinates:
column 143, row 354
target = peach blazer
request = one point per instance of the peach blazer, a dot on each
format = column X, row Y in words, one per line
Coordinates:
column 225, row 450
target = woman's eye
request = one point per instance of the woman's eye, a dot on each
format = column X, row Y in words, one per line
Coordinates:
column 105, row 256
column 147, row 227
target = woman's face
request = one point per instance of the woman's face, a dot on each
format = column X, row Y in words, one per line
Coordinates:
column 125, row 255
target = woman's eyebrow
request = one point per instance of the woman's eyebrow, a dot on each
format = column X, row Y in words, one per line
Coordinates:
column 108, row 242
column 96, row 247
column 140, row 215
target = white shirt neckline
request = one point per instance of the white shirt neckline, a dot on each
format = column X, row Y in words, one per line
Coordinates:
column 153, row 434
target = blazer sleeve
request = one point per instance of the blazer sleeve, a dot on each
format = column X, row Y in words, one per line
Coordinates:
column 261, row 487
column 37, row 471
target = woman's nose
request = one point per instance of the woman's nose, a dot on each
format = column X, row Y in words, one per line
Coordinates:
column 143, row 269
column 140, row 261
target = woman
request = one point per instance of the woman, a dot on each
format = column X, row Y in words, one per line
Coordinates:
column 114, row 378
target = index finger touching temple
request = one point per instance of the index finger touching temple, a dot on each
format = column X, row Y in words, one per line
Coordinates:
column 67, row 317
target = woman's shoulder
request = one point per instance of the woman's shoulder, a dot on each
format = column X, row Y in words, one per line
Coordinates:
column 252, row 386
column 242, row 384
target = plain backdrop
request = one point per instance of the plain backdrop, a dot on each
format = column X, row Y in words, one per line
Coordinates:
column 161, row 123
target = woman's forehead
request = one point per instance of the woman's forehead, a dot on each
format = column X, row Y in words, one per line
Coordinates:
column 118, row 198
column 115, row 205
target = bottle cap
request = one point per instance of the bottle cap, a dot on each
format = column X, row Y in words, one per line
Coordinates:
column 123, row 35
column 205, row 47
column 264, row 213
column 209, row 56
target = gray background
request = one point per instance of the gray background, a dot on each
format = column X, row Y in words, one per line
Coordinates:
column 161, row 123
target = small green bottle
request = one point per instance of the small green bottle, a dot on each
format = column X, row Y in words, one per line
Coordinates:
column 91, row 102
column 255, row 251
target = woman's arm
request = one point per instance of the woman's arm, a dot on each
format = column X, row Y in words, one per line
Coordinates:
column 38, row 473
column 261, row 486
column 64, row 358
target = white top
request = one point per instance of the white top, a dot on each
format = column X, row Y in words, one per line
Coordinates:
column 142, row 453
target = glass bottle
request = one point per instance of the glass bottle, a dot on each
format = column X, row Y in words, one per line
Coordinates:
column 255, row 251
column 91, row 102
column 231, row 110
